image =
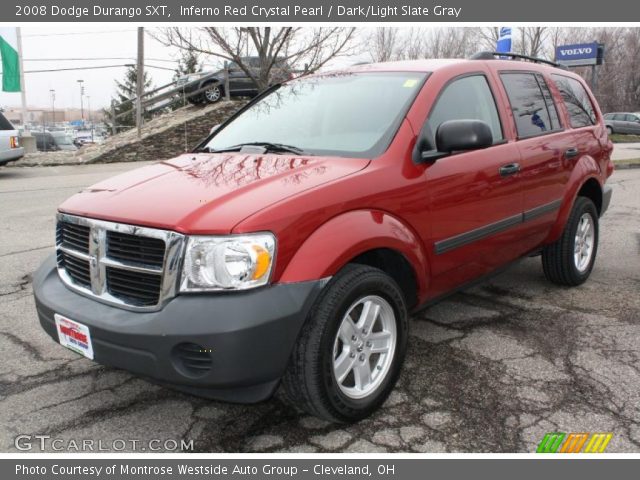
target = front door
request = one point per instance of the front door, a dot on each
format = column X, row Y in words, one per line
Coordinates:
column 475, row 198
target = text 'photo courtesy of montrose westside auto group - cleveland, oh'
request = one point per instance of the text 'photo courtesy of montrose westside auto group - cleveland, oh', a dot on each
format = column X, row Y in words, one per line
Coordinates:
column 319, row 240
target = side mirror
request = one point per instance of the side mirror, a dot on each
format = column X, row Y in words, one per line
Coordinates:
column 214, row 128
column 462, row 135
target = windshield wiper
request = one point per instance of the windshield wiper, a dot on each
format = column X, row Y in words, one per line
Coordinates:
column 268, row 146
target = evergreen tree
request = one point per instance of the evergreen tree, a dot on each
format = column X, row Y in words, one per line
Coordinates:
column 125, row 90
column 188, row 63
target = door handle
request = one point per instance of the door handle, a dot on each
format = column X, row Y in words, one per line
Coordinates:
column 571, row 152
column 509, row 169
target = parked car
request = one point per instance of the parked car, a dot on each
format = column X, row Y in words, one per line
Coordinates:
column 10, row 148
column 628, row 123
column 240, row 84
column 54, row 141
column 290, row 247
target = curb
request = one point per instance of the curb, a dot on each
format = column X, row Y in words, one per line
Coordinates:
column 625, row 166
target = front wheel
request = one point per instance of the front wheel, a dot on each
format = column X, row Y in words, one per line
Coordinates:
column 570, row 259
column 350, row 351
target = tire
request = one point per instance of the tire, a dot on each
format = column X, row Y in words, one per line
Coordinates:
column 213, row 94
column 609, row 130
column 311, row 381
column 560, row 260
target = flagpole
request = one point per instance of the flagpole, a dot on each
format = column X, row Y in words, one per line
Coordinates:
column 23, row 94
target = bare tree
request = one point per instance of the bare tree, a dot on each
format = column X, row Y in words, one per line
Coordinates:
column 488, row 38
column 531, row 41
column 383, row 43
column 304, row 49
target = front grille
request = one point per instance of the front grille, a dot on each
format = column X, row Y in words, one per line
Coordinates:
column 122, row 246
column 128, row 266
column 134, row 288
column 74, row 236
column 76, row 268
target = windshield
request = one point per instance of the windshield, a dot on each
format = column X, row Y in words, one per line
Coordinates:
column 348, row 114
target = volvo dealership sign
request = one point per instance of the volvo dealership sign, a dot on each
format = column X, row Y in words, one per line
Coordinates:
column 580, row 54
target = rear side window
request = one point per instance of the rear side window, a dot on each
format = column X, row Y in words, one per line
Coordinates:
column 531, row 110
column 577, row 101
column 467, row 98
column 5, row 124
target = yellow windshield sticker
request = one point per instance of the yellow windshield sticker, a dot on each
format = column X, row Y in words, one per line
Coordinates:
column 410, row 82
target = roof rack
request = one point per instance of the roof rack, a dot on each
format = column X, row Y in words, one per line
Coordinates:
column 492, row 56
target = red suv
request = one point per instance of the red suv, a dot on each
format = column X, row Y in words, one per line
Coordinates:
column 290, row 246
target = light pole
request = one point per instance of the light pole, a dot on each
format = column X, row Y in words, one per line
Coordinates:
column 53, row 106
column 81, row 83
column 89, row 113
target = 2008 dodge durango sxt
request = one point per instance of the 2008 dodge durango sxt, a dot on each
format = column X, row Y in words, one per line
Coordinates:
column 289, row 247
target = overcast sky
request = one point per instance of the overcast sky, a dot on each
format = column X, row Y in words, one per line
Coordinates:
column 43, row 47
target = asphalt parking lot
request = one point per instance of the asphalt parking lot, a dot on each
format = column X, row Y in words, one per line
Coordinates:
column 489, row 370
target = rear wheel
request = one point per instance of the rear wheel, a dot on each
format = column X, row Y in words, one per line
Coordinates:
column 570, row 259
column 610, row 130
column 349, row 354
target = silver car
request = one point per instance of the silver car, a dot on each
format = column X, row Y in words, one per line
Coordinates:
column 622, row 122
column 10, row 149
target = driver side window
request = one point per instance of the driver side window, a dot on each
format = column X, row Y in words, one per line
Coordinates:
column 467, row 98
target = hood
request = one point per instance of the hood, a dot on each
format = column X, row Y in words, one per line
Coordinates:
column 205, row 193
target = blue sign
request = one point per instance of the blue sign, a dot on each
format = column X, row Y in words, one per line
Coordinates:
column 579, row 54
column 504, row 40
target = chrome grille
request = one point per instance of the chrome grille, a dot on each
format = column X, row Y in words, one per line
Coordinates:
column 76, row 268
column 74, row 236
column 122, row 246
column 134, row 288
column 132, row 267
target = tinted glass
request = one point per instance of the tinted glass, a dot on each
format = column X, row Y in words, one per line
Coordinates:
column 527, row 103
column 468, row 98
column 619, row 117
column 5, row 124
column 551, row 106
column 351, row 114
column 609, row 116
column 630, row 118
column 577, row 101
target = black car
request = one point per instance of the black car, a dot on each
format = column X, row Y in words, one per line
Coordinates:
column 54, row 141
column 240, row 84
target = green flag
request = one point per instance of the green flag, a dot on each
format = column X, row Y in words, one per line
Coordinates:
column 10, row 59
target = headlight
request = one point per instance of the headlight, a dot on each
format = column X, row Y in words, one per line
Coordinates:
column 225, row 263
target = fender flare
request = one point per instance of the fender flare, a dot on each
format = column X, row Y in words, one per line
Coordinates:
column 585, row 169
column 344, row 237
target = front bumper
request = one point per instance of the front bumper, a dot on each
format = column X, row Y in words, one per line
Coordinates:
column 248, row 335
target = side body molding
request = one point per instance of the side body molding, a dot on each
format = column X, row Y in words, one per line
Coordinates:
column 350, row 234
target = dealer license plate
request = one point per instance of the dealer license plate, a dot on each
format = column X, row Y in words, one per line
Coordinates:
column 74, row 336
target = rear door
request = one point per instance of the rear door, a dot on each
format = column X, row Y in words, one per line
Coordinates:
column 475, row 197
column 546, row 148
